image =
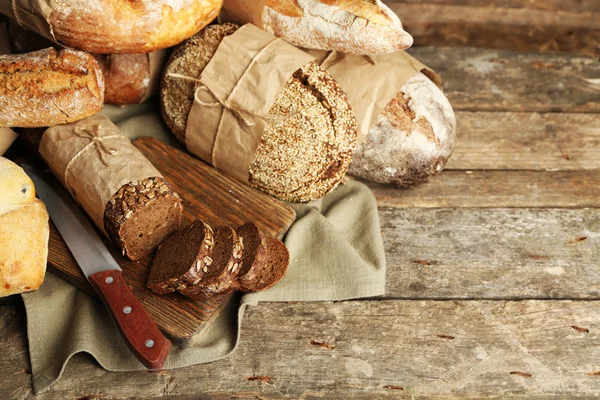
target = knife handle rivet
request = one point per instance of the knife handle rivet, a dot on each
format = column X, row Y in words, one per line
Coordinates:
column 149, row 343
column 109, row 280
column 127, row 310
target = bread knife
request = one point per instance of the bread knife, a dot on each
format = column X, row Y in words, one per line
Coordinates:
column 137, row 328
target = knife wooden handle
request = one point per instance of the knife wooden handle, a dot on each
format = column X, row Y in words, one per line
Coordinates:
column 138, row 329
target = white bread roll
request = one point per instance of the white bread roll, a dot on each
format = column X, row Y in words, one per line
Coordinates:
column 24, row 232
column 412, row 138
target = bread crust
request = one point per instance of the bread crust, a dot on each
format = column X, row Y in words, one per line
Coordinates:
column 124, row 26
column 350, row 26
column 24, row 234
column 45, row 88
column 411, row 139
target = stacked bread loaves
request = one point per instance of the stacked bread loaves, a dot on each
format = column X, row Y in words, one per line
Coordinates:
column 128, row 78
column 351, row 26
column 200, row 263
column 24, row 232
column 259, row 110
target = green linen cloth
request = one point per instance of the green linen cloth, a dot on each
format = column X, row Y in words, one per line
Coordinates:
column 336, row 253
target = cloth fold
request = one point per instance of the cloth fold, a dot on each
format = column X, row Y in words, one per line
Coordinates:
column 336, row 253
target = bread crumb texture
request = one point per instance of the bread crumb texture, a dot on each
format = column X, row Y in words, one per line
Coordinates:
column 411, row 139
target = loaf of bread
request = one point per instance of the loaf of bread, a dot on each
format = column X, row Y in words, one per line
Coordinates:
column 121, row 191
column 114, row 26
column 128, row 78
column 351, row 26
column 198, row 269
column 309, row 134
column 24, row 232
column 411, row 139
column 45, row 88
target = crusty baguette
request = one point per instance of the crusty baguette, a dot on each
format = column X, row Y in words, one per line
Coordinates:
column 127, row 77
column 24, row 234
column 45, row 88
column 350, row 26
column 120, row 26
column 411, row 139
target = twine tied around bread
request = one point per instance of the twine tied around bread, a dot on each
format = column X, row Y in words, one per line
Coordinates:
column 95, row 140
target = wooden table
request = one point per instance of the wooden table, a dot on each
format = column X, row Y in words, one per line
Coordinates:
column 493, row 282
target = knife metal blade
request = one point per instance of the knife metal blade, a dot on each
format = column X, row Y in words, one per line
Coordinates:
column 137, row 328
column 78, row 233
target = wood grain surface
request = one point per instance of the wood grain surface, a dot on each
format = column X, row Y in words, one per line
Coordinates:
column 525, row 25
column 206, row 194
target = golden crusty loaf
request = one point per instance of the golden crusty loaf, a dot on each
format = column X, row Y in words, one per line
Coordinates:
column 46, row 87
column 411, row 139
column 127, row 77
column 121, row 26
column 307, row 144
column 350, row 26
column 24, row 232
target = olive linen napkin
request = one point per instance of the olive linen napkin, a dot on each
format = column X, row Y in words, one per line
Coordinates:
column 336, row 253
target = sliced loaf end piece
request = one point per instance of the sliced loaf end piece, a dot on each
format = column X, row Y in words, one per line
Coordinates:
column 272, row 270
column 255, row 251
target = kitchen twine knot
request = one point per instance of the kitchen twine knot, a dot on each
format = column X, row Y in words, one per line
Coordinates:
column 91, row 133
column 238, row 113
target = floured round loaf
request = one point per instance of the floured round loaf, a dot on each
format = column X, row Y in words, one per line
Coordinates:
column 308, row 142
column 411, row 139
column 349, row 26
column 124, row 26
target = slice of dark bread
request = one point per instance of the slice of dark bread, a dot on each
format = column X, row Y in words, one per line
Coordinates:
column 226, row 261
column 255, row 252
column 270, row 272
column 182, row 259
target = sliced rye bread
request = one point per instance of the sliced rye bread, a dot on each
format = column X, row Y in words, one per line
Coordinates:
column 255, row 252
column 182, row 259
column 226, row 261
column 267, row 274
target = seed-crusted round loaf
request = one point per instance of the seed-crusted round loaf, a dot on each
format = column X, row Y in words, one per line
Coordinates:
column 141, row 215
column 411, row 139
column 307, row 145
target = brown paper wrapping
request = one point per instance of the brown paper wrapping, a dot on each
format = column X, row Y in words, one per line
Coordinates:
column 90, row 181
column 242, row 11
column 7, row 135
column 32, row 14
column 371, row 82
column 232, row 103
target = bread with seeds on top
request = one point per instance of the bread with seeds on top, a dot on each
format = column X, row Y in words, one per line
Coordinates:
column 305, row 149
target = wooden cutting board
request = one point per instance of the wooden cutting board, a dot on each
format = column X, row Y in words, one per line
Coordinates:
column 206, row 194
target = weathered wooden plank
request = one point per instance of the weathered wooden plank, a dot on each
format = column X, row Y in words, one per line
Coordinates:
column 498, row 80
column 496, row 189
column 512, row 25
column 492, row 253
column 374, row 349
column 533, row 141
column 579, row 6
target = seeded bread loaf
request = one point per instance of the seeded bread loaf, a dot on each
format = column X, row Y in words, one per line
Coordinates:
column 411, row 139
column 271, row 272
column 182, row 259
column 24, row 232
column 309, row 137
column 45, row 88
column 141, row 215
column 255, row 253
column 114, row 26
column 350, row 26
column 127, row 77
